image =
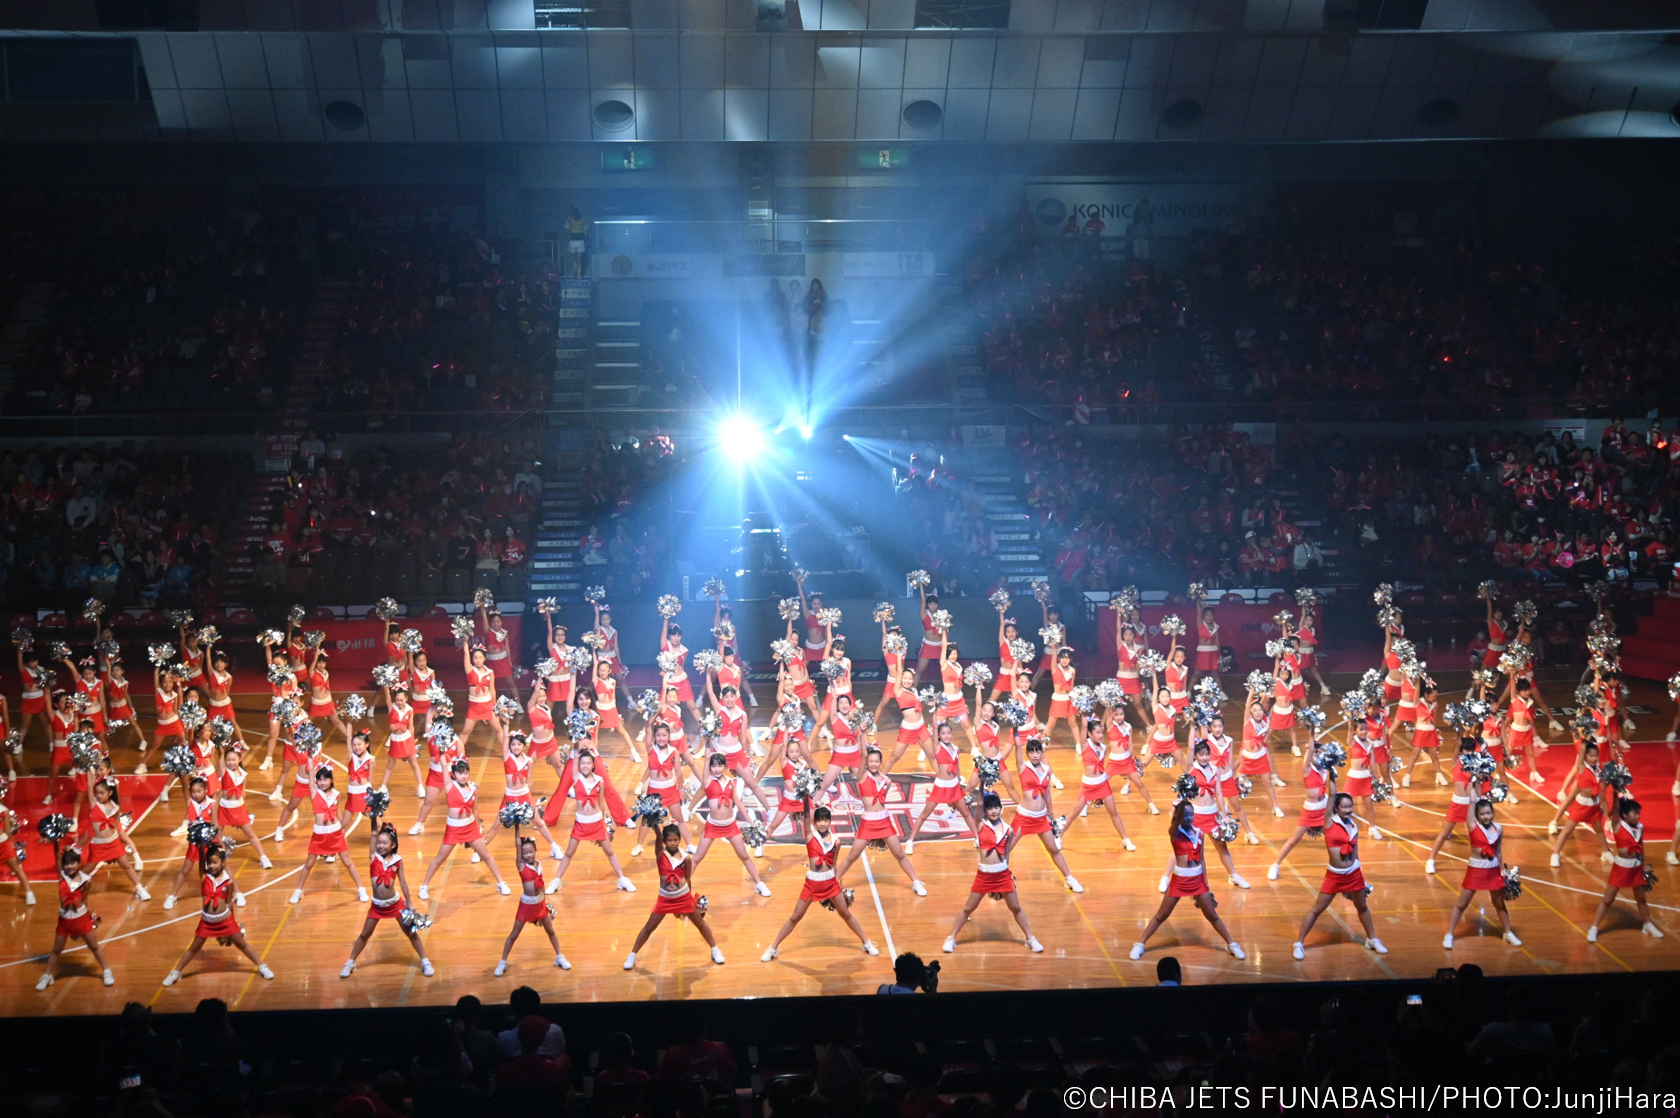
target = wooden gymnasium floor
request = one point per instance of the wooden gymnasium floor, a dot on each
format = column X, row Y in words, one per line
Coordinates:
column 1086, row 937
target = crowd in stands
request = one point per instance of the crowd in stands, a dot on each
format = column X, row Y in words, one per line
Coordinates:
column 626, row 546
column 131, row 527
column 513, row 1059
column 368, row 522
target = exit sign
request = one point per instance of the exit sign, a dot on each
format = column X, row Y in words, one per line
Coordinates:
column 884, row 159
column 628, row 159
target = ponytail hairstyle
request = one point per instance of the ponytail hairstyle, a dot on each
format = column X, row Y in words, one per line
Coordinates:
column 388, row 828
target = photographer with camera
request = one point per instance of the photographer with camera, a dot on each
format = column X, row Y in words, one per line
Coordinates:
column 911, row 974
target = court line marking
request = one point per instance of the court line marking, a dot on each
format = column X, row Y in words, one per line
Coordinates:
column 886, row 932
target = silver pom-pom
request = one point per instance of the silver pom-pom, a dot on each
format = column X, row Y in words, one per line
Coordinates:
column 1109, row 694
column 1172, row 625
column 1328, row 755
column 724, row 631
column 807, row 782
column 1226, row 829
column 280, row 675
column 385, row 609
column 84, row 750
column 202, row 833
column 271, row 637
column 314, row 638
column 894, row 644
column 178, row 761
column 670, row 663
column 1383, row 595
column 209, row 635
column 1500, row 792
column 222, row 731
column 799, row 575
column 516, row 814
column 108, row 648
column 376, row 802
column 581, row 723
column 884, row 612
column 181, row 618
column 754, row 834
column 978, row 674
column 1388, row 618
column 669, row 605
column 547, row 606
column 411, row 640
column 160, row 654
column 1478, row 766
column 1012, row 713
column 53, row 828
column 1284, row 620
column 1513, row 887
column 1355, row 706
column 283, row 710
column 507, row 708
column 647, row 703
column 989, row 771
column 1306, row 597
column 1082, row 698
column 1616, row 775
column 192, row 716
column 918, row 579
column 461, row 627
column 1151, row 662
column 1023, row 651
column 1597, row 590
column 999, row 600
column 785, row 651
column 1197, row 593
column 790, row 717
column 23, row 638
column 1052, row 636
column 861, row 721
column 932, row 699
column 1515, row 660
column 1245, row 786
column 832, row 668
column 1208, row 690
column 829, row 617
column 1525, row 613
column 580, row 659
column 649, row 809
column 713, row 588
column 789, row 608
column 1487, row 590
column 307, row 737
column 387, row 675
column 595, row 594
column 296, row 615
column 484, row 599
column 1185, row 787
column 1313, row 718
column 14, row 741
column 441, row 733
column 1274, row 649
column 1129, row 599
column 1382, row 792
column 93, row 609
column 414, row 920
column 940, row 619
column 707, row 661
column 547, row 669
column 353, row 708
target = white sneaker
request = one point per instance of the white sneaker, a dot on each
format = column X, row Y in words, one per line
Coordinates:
column 1153, row 810
column 769, row 954
column 921, row 756
column 626, row 885
column 910, row 847
column 47, row 980
column 501, row 967
column 297, row 895
column 179, row 831
column 1648, row 928
column 1552, row 828
column 1055, row 782
column 502, row 888
column 636, row 758
column 1429, row 868
column 1034, row 946
column 918, row 888
column 265, row 863
column 1278, row 781
column 1556, row 861
column 1592, row 934
column 1137, row 951
column 107, row 977
column 1299, row 950
column 1376, row 833
column 552, row 887
column 1235, row 949
column 630, row 961
column 263, row 970
column 1447, row 941
column 1238, row 880
column 1671, row 859
column 426, row 968
column 869, row 947
column 417, row 829
column 1441, row 779
column 1406, row 781
column 29, row 897
column 758, row 852
column 761, row 889
column 1252, row 839
column 635, row 852
column 1126, row 788
column 169, row 902
column 1278, row 811
column 420, row 792
column 172, row 978
column 1128, row 844
column 562, row 962
column 1294, row 751
column 950, row 945
column 1272, row 872
column 717, row 955
column 1671, row 736
column 1377, row 946
column 475, row 859
column 1511, row 938
column 140, row 769
column 268, row 763
column 1073, row 883
column 348, row 969
column 425, row 893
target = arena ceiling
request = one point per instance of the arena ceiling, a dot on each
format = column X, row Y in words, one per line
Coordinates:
column 480, row 71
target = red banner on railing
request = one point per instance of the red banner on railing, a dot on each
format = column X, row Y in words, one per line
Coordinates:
column 359, row 646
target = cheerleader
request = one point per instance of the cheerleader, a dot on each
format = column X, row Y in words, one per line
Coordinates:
column 321, row 703
column 1207, row 643
column 932, row 636
column 793, row 677
column 1176, row 676
column 532, row 909
column 1426, row 736
column 676, row 896
column 542, row 745
column 604, row 700
column 1221, row 752
column 1062, row 675
column 192, row 654
column 498, row 650
column 90, row 690
column 1096, row 785
column 1341, row 876
column 1497, row 635
column 220, row 895
column 1206, row 807
column 848, row 743
column 670, row 641
column 558, row 687
column 1118, row 758
column 1282, row 718
column 443, row 749
column 1492, row 735
column 1032, row 810
column 991, row 748
column 592, row 791
column 12, row 759
column 303, row 759
column 109, row 842
column 1520, row 740
column 200, row 809
column 34, row 680
column 992, row 878
column 481, row 690
column 732, row 672
column 724, row 792
column 461, row 829
column 1319, row 786
column 606, row 647
column 10, row 855
column 1127, row 649
column 790, row 750
column 1189, row 879
column 1365, row 764
column 516, row 785
column 1581, row 799
column 358, row 772
column 399, row 740
column 954, row 707
column 120, row 707
column 1483, row 875
column 1628, row 872
column 326, row 839
column 947, row 785
column 75, row 919
column 817, row 635
column 420, row 680
column 61, row 723
column 1004, row 684
column 1306, row 642
column 1031, row 728
column 1465, row 791
column 912, row 727
column 1052, row 645
column 282, row 682
column 875, row 826
column 732, row 724
column 1393, row 680
column 822, row 883
column 231, row 812
column 660, row 779
column 1163, row 738
column 395, row 655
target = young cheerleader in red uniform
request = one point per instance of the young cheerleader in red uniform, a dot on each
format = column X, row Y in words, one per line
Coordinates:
column 516, row 785
column 1465, row 791
column 849, row 742
column 533, row 909
column 1004, row 684
column 109, row 842
column 9, row 855
column 201, row 808
column 481, row 689
column 875, row 826
column 1206, row 807
column 822, row 883
column 663, row 759
column 1062, row 676
column 1032, row 813
column 498, row 650
column 676, row 897
column 1627, row 872
column 1582, row 800
column 1426, row 736
column 1096, row 786
column 947, row 785
column 1319, row 787
column 390, row 896
column 912, row 727
column 992, row 877
column 1189, row 879
column 75, row 919
column 671, row 643
column 400, row 745
column 1341, row 877
column 231, row 810
column 461, row 828
column 724, row 793
column 1483, row 875
column 790, row 751
column 217, row 921
column 595, row 797
column 1207, row 643
column 326, row 838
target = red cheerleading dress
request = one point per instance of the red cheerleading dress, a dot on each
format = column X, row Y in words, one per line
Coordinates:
column 1205, row 809
column 787, row 801
column 986, row 736
column 821, row 882
column 676, row 898
column 75, row 919
column 1588, row 805
column 532, row 907
column 1358, row 779
column 1425, row 735
column 217, row 893
column 400, row 743
column 848, row 749
column 320, row 694
column 1394, row 681
column 559, row 688
column 1343, row 837
column 357, row 782
column 679, row 678
column 1004, row 684
column 816, row 638
column 589, row 824
column 1483, row 871
column 1094, row 789
column 732, row 731
column 1163, row 738
column 874, row 822
column 1127, row 674
column 481, row 693
column 1283, row 706
column 1628, row 871
column 912, row 727
column 662, row 775
column 34, row 695
column 496, row 655
column 420, row 681
column 1177, row 680
column 840, row 685
column 1520, row 734
column 1207, row 647
column 106, row 843
column 606, row 703
column 993, row 877
column 327, row 835
column 1061, row 691
column 1309, row 646
column 95, row 712
column 1255, row 758
column 461, row 824
column 516, row 780
column 440, row 761
column 230, row 800
column 1317, row 803
column 947, row 774
column 1117, row 754
column 1191, row 880
column 382, row 870
column 1497, row 638
column 1406, row 710
column 1034, row 778
column 955, row 707
column 723, row 796
column 168, row 716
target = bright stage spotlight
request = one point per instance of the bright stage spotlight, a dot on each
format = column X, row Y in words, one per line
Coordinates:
column 740, row 438
column 805, row 431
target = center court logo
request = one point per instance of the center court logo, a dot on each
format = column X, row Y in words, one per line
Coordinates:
column 1050, row 211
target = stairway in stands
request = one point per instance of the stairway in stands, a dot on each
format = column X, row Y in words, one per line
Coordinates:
column 615, row 360
column 555, row 569
column 267, row 490
column 1653, row 651
column 571, row 344
column 997, row 477
column 29, row 311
